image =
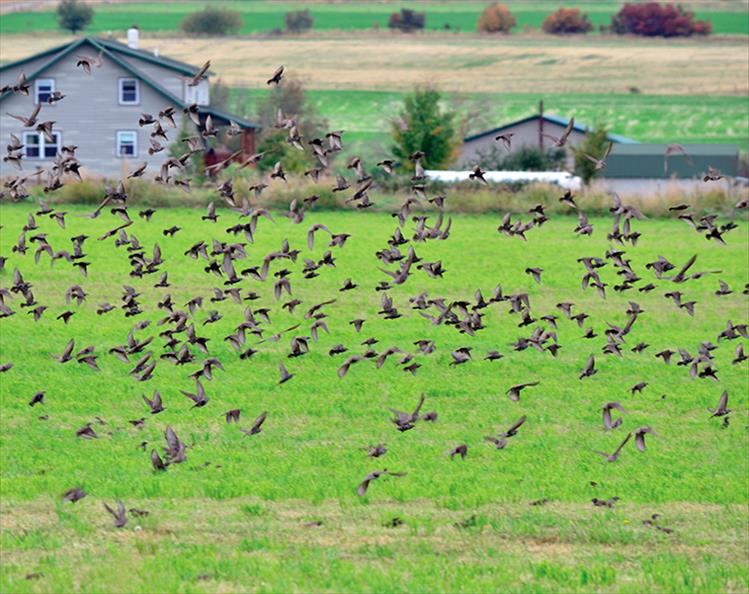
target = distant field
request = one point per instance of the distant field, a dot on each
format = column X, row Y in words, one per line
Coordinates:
column 690, row 91
column 515, row 64
column 264, row 16
column 366, row 115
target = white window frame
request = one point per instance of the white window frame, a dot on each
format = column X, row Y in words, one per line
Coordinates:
column 38, row 82
column 121, row 83
column 58, row 145
column 118, row 144
column 43, row 145
column 27, row 145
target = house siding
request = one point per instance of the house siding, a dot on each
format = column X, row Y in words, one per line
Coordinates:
column 165, row 77
column 90, row 117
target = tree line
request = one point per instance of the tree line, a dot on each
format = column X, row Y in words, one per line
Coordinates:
column 649, row 19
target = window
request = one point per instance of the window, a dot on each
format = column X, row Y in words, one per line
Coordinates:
column 32, row 145
column 127, row 143
column 129, row 91
column 38, row 147
column 51, row 148
column 43, row 89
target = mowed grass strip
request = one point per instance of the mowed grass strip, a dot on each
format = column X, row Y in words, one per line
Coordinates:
column 308, row 460
column 266, row 16
column 250, row 545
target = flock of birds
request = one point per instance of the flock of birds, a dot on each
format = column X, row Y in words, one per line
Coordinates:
column 224, row 261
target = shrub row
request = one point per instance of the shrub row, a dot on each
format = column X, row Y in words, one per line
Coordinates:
column 464, row 197
column 649, row 19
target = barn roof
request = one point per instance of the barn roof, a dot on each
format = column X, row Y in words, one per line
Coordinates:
column 552, row 119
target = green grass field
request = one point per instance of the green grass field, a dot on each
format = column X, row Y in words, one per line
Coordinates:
column 366, row 115
column 235, row 516
column 264, row 16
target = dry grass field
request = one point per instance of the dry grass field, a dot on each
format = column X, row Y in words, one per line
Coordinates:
column 516, row 64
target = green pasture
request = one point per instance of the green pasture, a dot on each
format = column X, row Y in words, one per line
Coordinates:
column 264, row 16
column 366, row 115
column 279, row 511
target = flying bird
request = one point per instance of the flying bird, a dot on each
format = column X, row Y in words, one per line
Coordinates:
column 506, row 139
column 514, row 392
column 614, row 456
column 640, row 434
column 374, row 475
column 256, row 425
column 608, row 422
column 119, row 515
column 560, row 141
column 590, row 368
column 198, row 77
column 722, row 408
column 600, row 163
column 275, row 79
column 88, row 62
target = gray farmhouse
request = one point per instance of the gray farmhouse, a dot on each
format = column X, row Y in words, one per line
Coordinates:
column 100, row 111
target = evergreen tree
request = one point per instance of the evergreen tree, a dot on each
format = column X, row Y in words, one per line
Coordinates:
column 73, row 15
column 425, row 126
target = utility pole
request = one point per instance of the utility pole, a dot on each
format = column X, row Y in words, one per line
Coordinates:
column 541, row 125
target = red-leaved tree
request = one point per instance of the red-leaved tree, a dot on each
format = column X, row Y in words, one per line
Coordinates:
column 658, row 20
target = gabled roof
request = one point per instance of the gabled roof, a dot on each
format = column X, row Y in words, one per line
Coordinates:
column 552, row 119
column 104, row 48
column 22, row 61
column 111, row 44
column 176, row 65
column 110, row 49
column 63, row 51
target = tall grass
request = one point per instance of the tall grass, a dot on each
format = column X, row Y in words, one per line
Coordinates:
column 462, row 197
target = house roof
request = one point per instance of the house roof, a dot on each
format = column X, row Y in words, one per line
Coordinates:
column 110, row 49
column 176, row 65
column 223, row 118
column 111, row 44
column 552, row 119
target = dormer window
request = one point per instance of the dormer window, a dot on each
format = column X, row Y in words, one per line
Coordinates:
column 129, row 91
column 43, row 89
